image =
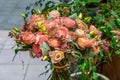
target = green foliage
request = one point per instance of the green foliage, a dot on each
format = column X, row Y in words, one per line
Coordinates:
column 45, row 48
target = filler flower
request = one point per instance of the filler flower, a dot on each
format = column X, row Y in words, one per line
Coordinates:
column 56, row 56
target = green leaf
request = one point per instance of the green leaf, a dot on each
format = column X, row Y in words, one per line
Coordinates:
column 95, row 77
column 73, row 16
column 16, row 51
column 33, row 11
column 49, row 18
column 23, row 15
column 113, row 42
column 83, row 76
column 45, row 48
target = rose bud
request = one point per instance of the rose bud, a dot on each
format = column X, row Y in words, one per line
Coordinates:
column 28, row 37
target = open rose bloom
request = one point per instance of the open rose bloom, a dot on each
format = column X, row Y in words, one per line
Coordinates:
column 56, row 38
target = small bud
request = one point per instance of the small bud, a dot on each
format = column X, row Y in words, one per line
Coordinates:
column 45, row 58
column 80, row 16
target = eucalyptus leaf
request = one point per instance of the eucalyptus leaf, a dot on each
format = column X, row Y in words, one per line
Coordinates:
column 49, row 18
column 45, row 48
column 73, row 16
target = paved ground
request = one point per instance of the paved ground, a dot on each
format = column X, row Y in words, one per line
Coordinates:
column 15, row 70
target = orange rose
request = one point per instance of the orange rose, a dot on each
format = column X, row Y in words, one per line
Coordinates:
column 28, row 37
column 83, row 42
column 56, row 56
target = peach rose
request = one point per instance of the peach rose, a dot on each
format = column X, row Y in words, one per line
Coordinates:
column 84, row 42
column 80, row 32
column 28, row 37
column 81, row 25
column 54, row 43
column 56, row 56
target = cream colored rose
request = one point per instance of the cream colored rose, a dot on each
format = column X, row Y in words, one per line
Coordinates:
column 56, row 56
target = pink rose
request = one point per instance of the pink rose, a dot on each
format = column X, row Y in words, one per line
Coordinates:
column 54, row 14
column 28, row 37
column 50, row 25
column 34, row 18
column 41, row 38
column 36, row 50
column 62, row 31
column 69, row 23
column 54, row 43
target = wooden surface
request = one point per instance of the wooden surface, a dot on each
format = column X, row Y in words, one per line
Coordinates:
column 112, row 69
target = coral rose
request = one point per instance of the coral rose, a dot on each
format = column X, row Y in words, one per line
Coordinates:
column 56, row 56
column 36, row 50
column 62, row 31
column 69, row 23
column 28, row 37
column 54, row 43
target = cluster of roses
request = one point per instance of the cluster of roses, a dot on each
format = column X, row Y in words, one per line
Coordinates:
column 56, row 32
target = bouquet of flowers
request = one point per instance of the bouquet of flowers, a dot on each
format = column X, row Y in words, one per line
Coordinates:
column 60, row 40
